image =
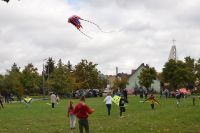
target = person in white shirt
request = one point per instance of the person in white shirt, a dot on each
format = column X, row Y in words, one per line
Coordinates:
column 53, row 100
column 108, row 101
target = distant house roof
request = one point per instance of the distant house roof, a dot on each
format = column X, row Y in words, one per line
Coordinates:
column 135, row 70
column 122, row 74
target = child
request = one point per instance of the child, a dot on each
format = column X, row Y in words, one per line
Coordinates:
column 108, row 101
column 121, row 105
column 152, row 100
column 27, row 101
column 71, row 115
column 178, row 97
column 82, row 111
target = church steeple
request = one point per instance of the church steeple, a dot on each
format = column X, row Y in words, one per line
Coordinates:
column 173, row 52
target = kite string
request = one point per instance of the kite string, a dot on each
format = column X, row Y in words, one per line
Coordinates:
column 95, row 25
column 85, row 34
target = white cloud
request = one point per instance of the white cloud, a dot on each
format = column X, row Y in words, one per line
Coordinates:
column 141, row 32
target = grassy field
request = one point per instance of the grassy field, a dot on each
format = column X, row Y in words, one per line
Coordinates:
column 139, row 118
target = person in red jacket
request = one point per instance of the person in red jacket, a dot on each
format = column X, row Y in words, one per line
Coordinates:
column 82, row 111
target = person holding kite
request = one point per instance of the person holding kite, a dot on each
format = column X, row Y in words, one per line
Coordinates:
column 122, row 102
column 151, row 100
column 108, row 101
column 27, row 101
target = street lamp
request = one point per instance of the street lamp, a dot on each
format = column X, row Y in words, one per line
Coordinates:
column 43, row 78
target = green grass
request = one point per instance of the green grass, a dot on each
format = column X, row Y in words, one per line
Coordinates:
column 139, row 118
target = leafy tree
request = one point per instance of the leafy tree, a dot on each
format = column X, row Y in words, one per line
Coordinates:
column 48, row 70
column 102, row 81
column 12, row 82
column 168, row 73
column 197, row 74
column 120, row 82
column 190, row 68
column 197, row 69
column 59, row 79
column 49, row 67
column 179, row 74
column 30, row 79
column 147, row 76
column 1, row 83
column 87, row 75
column 69, row 66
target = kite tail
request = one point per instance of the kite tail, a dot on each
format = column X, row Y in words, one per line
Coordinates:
column 85, row 34
column 95, row 25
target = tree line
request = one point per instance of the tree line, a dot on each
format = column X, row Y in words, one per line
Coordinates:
column 178, row 74
column 58, row 77
column 63, row 78
column 175, row 74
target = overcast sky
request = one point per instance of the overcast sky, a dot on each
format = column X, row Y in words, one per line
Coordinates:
column 139, row 31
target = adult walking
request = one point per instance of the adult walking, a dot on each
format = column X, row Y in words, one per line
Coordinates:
column 108, row 101
column 53, row 100
column 82, row 111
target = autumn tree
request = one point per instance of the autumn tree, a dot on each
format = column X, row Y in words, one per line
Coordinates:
column 12, row 82
column 30, row 79
column 87, row 75
column 60, row 81
column 147, row 76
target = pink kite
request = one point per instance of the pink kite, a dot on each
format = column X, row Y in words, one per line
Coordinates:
column 76, row 21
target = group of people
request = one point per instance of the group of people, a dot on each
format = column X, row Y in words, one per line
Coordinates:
column 122, row 101
column 82, row 110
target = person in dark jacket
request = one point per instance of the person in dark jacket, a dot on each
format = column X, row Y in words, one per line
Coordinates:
column 125, row 93
column 122, row 105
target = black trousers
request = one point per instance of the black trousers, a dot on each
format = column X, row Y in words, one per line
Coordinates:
column 122, row 109
column 109, row 108
column 52, row 105
column 83, row 123
column 152, row 106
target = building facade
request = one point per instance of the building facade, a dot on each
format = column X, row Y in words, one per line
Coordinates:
column 133, row 80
